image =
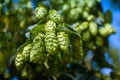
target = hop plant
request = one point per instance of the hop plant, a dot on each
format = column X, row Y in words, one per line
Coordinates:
column 62, row 38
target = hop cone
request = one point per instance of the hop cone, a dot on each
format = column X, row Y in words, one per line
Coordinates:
column 19, row 61
column 37, row 52
column 93, row 28
column 77, row 48
column 26, row 52
column 51, row 43
column 40, row 12
column 28, row 72
column 55, row 16
column 63, row 41
column 50, row 26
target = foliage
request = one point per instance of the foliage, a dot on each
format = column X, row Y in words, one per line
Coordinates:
column 14, row 18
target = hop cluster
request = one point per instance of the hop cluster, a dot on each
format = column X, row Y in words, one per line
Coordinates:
column 45, row 44
column 73, row 10
column 94, row 35
column 87, row 19
column 32, row 53
column 54, row 43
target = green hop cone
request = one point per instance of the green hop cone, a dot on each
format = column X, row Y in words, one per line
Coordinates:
column 93, row 28
column 106, row 30
column 99, row 41
column 26, row 52
column 74, row 14
column 109, row 28
column 55, row 16
column 38, row 50
column 27, row 72
column 90, row 3
column 51, row 43
column 85, row 14
column 91, row 18
column 82, row 27
column 86, row 35
column 91, row 45
column 24, row 72
column 65, row 7
column 40, row 12
column 77, row 48
column 103, row 32
column 19, row 61
column 50, row 26
column 63, row 41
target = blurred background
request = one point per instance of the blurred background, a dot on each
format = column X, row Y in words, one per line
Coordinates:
column 114, row 40
column 17, row 16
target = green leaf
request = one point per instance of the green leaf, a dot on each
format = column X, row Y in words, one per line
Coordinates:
column 22, row 46
column 68, row 29
column 108, row 16
column 37, row 29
